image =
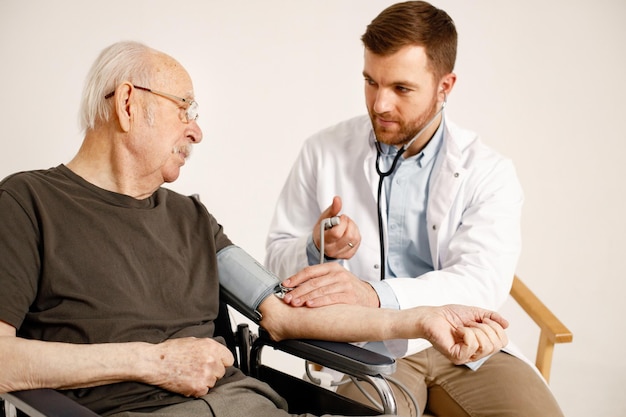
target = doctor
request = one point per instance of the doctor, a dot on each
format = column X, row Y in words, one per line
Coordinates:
column 428, row 215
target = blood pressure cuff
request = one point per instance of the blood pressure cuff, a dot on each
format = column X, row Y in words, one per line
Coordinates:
column 244, row 283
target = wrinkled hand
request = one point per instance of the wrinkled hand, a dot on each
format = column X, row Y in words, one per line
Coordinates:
column 190, row 366
column 464, row 334
column 342, row 240
column 326, row 284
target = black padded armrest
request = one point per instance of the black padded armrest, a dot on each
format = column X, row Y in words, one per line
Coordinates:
column 342, row 357
column 46, row 403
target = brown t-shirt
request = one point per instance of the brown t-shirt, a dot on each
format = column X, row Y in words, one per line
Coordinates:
column 80, row 264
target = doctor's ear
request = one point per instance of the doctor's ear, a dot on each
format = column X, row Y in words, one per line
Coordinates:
column 446, row 84
column 442, row 96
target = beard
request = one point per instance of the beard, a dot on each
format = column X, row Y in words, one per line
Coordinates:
column 404, row 130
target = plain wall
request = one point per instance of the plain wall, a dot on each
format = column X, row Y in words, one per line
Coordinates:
column 541, row 81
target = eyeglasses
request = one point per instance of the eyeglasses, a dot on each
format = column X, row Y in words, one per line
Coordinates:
column 190, row 113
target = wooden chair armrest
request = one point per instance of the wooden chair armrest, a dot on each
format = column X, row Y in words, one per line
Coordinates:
column 552, row 329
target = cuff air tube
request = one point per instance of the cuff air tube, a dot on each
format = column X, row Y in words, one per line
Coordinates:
column 244, row 282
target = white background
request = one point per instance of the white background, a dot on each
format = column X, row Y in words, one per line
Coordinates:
column 543, row 82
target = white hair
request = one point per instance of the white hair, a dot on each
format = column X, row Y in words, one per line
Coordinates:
column 122, row 61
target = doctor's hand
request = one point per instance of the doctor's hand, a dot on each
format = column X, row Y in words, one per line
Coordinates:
column 342, row 240
column 326, row 284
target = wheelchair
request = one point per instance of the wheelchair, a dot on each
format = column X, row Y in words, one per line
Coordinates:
column 302, row 396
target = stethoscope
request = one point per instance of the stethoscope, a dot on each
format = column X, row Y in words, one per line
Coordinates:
column 384, row 174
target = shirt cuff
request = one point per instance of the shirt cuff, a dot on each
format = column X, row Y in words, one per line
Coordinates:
column 313, row 253
column 386, row 296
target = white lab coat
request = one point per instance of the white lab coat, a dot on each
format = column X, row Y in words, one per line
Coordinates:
column 473, row 217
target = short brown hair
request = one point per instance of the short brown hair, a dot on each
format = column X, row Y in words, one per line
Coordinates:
column 415, row 23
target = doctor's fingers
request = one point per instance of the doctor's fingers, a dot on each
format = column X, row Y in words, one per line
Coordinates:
column 333, row 209
column 343, row 240
column 320, row 282
column 333, row 292
column 313, row 277
column 313, row 272
column 326, row 217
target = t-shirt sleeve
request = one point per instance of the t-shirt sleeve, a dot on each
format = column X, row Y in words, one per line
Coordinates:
column 219, row 237
column 19, row 258
column 221, row 240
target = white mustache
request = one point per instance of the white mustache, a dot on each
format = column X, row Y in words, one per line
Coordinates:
column 184, row 150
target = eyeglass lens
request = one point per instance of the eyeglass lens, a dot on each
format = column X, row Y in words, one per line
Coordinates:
column 192, row 111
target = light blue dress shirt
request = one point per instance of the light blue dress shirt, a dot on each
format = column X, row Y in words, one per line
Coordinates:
column 406, row 191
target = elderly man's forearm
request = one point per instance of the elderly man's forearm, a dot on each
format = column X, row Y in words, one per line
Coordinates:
column 339, row 322
column 27, row 364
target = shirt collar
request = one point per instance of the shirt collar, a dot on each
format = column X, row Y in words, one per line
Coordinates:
column 432, row 147
column 426, row 155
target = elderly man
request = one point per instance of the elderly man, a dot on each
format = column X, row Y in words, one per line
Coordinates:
column 110, row 281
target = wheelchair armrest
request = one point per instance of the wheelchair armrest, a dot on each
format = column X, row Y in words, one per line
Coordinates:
column 342, row 357
column 46, row 403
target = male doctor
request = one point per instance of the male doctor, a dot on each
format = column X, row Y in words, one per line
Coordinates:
column 428, row 215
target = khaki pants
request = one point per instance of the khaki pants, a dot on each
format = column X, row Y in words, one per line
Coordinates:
column 503, row 386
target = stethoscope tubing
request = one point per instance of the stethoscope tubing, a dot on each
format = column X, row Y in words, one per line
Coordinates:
column 384, row 174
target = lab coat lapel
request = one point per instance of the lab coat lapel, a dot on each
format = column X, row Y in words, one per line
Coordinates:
column 448, row 175
column 369, row 169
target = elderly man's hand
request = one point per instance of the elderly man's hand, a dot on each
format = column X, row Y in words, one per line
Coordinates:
column 188, row 366
column 463, row 334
